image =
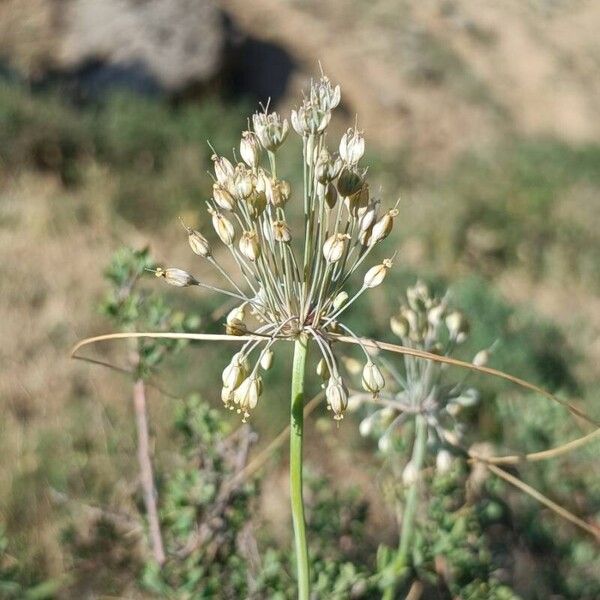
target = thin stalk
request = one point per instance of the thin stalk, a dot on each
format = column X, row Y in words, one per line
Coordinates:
column 296, row 438
column 410, row 506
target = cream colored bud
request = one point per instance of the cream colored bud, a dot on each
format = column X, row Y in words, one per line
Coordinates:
column 281, row 231
column 337, row 397
column 239, row 313
column 250, row 148
column 372, row 378
column 224, row 228
column 365, row 427
column 223, row 169
column 323, row 369
column 368, row 217
column 481, row 358
column 352, row 146
column 443, row 462
column 340, row 300
column 410, row 474
column 333, row 248
column 399, row 326
column 176, row 277
column 247, row 394
column 266, row 359
column 375, row 275
column 235, row 372
column 383, row 227
column 223, row 199
column 458, row 327
column 385, row 443
column 198, row 243
column 249, row 245
column 436, row 314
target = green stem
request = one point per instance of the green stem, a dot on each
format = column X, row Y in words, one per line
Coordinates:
column 410, row 505
column 296, row 436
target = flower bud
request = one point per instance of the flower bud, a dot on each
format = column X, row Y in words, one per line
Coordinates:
column 266, row 359
column 235, row 372
column 399, row 326
column 372, row 378
column 281, row 231
column 385, row 443
column 223, row 199
column 368, row 217
column 247, row 394
column 375, row 275
column 410, row 474
column 176, row 277
column 458, row 326
column 223, row 169
column 337, row 397
column 250, row 148
column 333, row 248
column 270, row 129
column 383, row 227
column 249, row 245
column 224, row 228
column 323, row 369
column 340, row 300
column 365, row 427
column 198, row 243
column 352, row 146
column 443, row 462
column 349, row 182
column 481, row 358
column 436, row 313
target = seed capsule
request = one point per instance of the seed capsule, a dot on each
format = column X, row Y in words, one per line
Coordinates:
column 223, row 199
column 337, row 397
column 375, row 275
column 236, row 327
column 334, row 247
column 270, row 129
column 327, row 168
column 349, row 182
column 176, row 277
column 383, row 227
column 227, row 397
column 223, row 169
column 277, row 192
column 198, row 243
column 250, row 148
column 224, row 228
column 281, row 231
column 249, row 245
column 352, row 146
column 372, row 378
column 242, row 182
column 330, row 195
column 368, row 217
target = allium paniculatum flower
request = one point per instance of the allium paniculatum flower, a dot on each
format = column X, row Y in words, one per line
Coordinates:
column 293, row 282
column 423, row 322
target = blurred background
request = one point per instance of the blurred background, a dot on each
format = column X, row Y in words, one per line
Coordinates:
column 484, row 118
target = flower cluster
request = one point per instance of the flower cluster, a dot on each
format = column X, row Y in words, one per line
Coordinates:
column 292, row 282
column 424, row 322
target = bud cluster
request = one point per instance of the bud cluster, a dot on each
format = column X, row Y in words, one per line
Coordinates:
column 424, row 322
column 292, row 281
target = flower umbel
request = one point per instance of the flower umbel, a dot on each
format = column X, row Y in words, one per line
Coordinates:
column 293, row 282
